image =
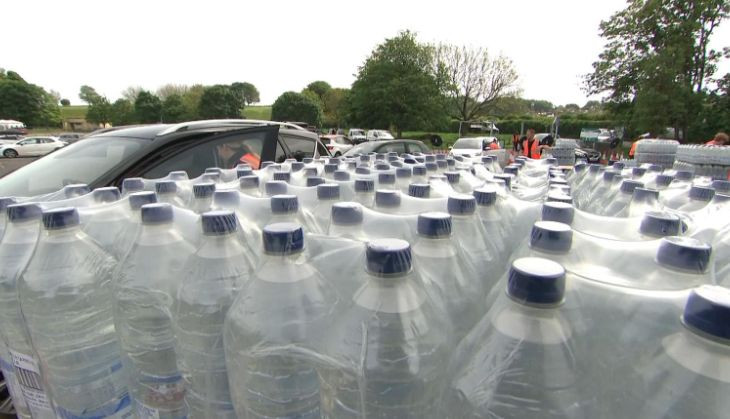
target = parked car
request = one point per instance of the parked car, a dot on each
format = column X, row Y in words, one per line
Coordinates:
column 336, row 144
column 357, row 135
column 12, row 134
column 379, row 134
column 31, row 146
column 473, row 146
column 588, row 155
column 387, row 146
column 153, row 151
column 70, row 137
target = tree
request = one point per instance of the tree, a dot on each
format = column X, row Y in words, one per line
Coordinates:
column 65, row 102
column 171, row 89
column 593, row 106
column 335, row 106
column 320, row 88
column 88, row 94
column 396, row 88
column 293, row 106
column 147, row 107
column 99, row 111
column 122, row 113
column 27, row 102
column 191, row 101
column 131, row 92
column 248, row 91
column 173, row 108
column 219, row 101
column 472, row 80
column 657, row 61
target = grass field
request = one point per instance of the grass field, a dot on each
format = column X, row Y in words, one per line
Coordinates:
column 76, row 111
column 257, row 112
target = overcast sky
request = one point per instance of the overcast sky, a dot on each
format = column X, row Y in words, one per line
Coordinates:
column 284, row 45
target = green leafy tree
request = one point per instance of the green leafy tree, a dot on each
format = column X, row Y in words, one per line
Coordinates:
column 314, row 97
column 395, row 87
column 335, row 107
column 191, row 101
column 173, row 108
column 247, row 91
column 88, row 94
column 147, row 107
column 99, row 111
column 27, row 102
column 171, row 89
column 219, row 101
column 65, row 102
column 131, row 92
column 123, row 113
column 293, row 106
column 320, row 88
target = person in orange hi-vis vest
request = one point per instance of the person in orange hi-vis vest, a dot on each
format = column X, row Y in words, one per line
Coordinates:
column 530, row 145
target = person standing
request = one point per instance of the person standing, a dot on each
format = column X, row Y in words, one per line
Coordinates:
column 720, row 139
column 530, row 145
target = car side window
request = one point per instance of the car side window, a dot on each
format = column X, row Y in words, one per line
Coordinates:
column 397, row 147
column 413, row 147
column 280, row 154
column 299, row 147
column 225, row 152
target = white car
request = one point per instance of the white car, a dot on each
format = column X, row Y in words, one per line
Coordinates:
column 379, row 134
column 31, row 146
column 336, row 144
column 357, row 135
column 470, row 147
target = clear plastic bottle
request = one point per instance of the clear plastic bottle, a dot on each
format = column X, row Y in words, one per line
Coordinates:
column 249, row 185
column 365, row 192
column 146, row 284
column 274, row 329
column 347, row 221
column 699, row 197
column 275, row 187
column 132, row 184
column 327, row 195
column 202, row 197
column 388, row 348
column 387, row 201
column 167, row 192
column 211, row 280
column 15, row 348
column 66, row 300
column 419, row 190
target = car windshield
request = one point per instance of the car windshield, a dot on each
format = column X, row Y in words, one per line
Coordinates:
column 473, row 143
column 82, row 162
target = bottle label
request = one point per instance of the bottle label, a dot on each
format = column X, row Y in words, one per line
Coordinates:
column 118, row 409
column 29, row 377
column 167, row 392
column 12, row 382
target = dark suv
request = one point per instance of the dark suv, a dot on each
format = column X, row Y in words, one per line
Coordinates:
column 105, row 158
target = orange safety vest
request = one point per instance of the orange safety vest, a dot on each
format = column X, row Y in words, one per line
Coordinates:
column 252, row 159
column 493, row 145
column 632, row 150
column 531, row 152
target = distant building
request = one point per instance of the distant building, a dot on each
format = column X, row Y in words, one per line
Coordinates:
column 81, row 124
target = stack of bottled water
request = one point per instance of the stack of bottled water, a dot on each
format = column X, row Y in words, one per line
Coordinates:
column 661, row 152
column 377, row 285
column 704, row 160
column 564, row 151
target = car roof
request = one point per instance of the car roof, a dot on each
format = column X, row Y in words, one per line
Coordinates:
column 147, row 132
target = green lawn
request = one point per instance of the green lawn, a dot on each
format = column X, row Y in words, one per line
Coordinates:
column 257, row 112
column 76, row 111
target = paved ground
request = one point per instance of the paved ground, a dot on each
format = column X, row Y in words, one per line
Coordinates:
column 8, row 165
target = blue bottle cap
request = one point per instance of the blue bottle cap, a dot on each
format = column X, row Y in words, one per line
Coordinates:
column 364, row 157
column 59, row 218
column 684, row 175
column 536, row 281
column 248, row 182
column 684, row 253
column 556, row 196
column 351, row 165
column 265, row 164
column 204, row 190
column 285, row 204
column 156, row 213
column 403, row 172
column 346, row 213
column 362, row 170
column 519, row 163
column 421, row 160
column 452, row 177
column 132, row 184
column 330, row 168
column 551, row 161
column 137, row 199
column 708, row 311
column 660, row 224
column 701, row 193
column 434, row 225
column 396, row 164
column 315, row 181
column 241, row 166
column 638, row 171
column 419, row 190
column 664, row 180
column 5, row 201
column 441, row 157
column 430, row 158
column 310, row 172
column 521, row 158
column 441, row 164
column 511, row 170
column 283, row 238
column 388, row 257
column 431, row 166
column 210, row 177
column 618, row 165
column 559, row 212
column 580, row 167
column 214, row 170
column 307, row 160
column 594, row 168
column 178, row 175
column 610, row 176
column 655, row 168
column 551, row 236
column 328, row 191
column 275, row 187
column 721, row 185
column 386, row 178
column 451, row 162
column 485, row 196
column 296, row 166
column 342, row 175
column 382, row 166
column 392, row 158
column 106, row 194
column 218, row 222
column 419, row 170
column 628, row 186
column 645, row 194
column 387, row 198
column 486, row 159
column 23, row 212
column 244, row 172
column 334, row 160
column 226, row 199
column 165, row 186
column 506, row 178
column 77, row 189
column 364, row 185
column 379, row 156
column 460, row 204
column 283, row 176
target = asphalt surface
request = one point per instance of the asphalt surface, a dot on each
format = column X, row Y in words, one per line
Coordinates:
column 8, row 165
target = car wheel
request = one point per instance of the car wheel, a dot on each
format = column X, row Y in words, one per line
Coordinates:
column 10, row 153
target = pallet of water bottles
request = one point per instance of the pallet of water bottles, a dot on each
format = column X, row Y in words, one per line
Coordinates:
column 377, row 285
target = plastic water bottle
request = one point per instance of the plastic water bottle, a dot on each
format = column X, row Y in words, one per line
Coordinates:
column 327, row 195
column 249, row 185
column 388, row 201
column 132, row 184
column 388, row 349
column 66, row 299
column 275, row 187
column 619, row 205
column 167, row 192
column 211, row 280
column 521, row 361
column 699, row 197
column 419, row 190
column 145, row 287
column 492, row 217
column 643, row 201
column 346, row 221
column 16, row 351
column 275, row 325
column 202, row 197
column 365, row 192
